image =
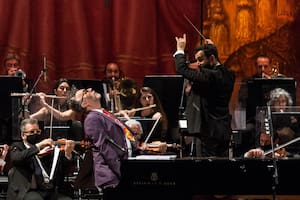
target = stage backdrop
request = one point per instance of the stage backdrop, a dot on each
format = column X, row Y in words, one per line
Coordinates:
column 79, row 37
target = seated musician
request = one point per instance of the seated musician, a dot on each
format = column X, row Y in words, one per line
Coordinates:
column 62, row 115
column 265, row 145
column 148, row 99
column 142, row 147
column 33, row 160
column 281, row 101
column 119, row 90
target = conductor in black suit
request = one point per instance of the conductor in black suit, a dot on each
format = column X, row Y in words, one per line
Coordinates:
column 33, row 160
column 214, row 83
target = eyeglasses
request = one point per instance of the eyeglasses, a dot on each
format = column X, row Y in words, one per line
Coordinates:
column 37, row 131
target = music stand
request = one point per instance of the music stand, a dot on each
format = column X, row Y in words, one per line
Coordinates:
column 259, row 89
column 9, row 108
column 168, row 88
column 290, row 119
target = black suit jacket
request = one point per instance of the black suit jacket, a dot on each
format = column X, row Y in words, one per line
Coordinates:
column 214, row 86
column 20, row 175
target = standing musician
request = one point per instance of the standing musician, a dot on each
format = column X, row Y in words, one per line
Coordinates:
column 214, row 83
column 38, row 167
column 111, row 139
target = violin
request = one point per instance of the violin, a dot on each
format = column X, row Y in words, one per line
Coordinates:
column 161, row 147
column 83, row 144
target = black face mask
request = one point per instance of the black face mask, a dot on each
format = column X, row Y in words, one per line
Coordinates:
column 33, row 139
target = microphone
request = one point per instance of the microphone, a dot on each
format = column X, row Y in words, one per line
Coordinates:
column 45, row 69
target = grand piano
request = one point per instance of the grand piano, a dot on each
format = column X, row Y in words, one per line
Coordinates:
column 182, row 178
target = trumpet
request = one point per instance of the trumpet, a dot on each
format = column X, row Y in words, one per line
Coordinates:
column 20, row 73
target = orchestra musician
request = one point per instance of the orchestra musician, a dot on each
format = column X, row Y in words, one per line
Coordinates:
column 144, row 148
column 110, row 137
column 147, row 98
column 11, row 63
column 285, row 128
column 59, row 113
column 33, row 163
column 264, row 145
column 265, row 70
column 119, row 91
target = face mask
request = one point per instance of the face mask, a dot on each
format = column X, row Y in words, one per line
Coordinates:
column 33, row 139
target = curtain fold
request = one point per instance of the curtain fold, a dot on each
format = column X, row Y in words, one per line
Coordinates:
column 79, row 37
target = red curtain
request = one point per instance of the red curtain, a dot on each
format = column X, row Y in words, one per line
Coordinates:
column 79, row 37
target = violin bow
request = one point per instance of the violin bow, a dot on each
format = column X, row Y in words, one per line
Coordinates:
column 203, row 37
column 151, row 131
column 283, row 145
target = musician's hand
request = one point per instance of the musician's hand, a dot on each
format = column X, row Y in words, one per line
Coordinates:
column 46, row 142
column 163, row 147
column 69, row 147
column 209, row 41
column 255, row 153
column 157, row 116
column 26, row 100
column 45, row 150
column 4, row 151
column 181, row 42
column 42, row 98
column 124, row 113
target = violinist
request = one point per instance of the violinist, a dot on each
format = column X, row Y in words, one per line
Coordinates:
column 142, row 147
column 33, row 163
column 265, row 145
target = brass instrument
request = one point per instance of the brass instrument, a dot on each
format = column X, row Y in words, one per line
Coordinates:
column 274, row 72
column 116, row 105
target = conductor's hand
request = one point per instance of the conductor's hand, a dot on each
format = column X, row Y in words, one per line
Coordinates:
column 181, row 42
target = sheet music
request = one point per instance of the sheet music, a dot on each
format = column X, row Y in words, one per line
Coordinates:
column 153, row 157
